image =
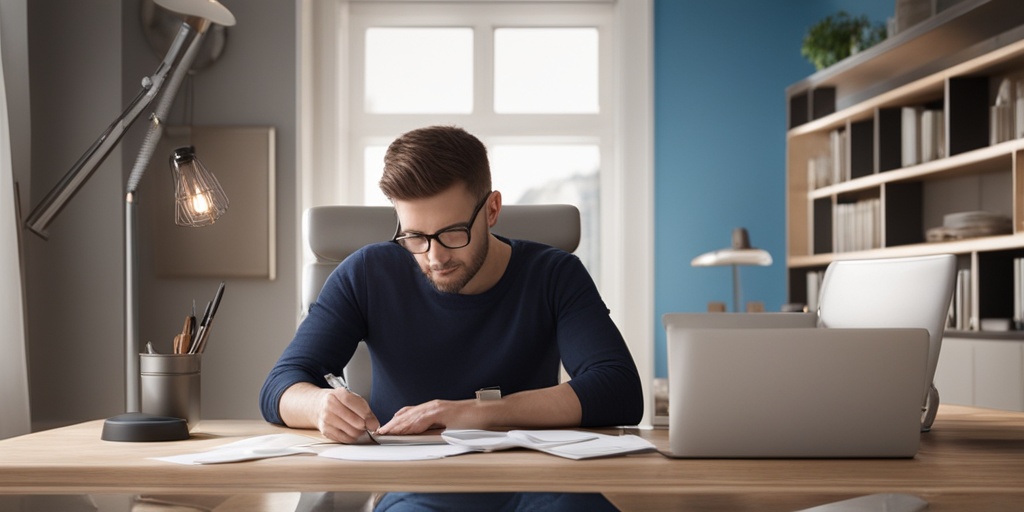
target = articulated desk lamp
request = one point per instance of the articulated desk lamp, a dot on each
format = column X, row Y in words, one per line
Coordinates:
column 199, row 199
column 741, row 253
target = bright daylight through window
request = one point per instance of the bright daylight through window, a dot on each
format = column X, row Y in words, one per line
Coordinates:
column 531, row 93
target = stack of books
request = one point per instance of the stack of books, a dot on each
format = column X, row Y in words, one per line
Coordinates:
column 858, row 225
column 962, row 225
column 923, row 135
column 819, row 171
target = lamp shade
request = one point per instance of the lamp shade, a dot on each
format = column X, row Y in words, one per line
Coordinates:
column 208, row 9
column 758, row 257
column 199, row 199
column 741, row 253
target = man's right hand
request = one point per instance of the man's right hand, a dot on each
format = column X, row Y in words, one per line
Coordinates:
column 338, row 414
column 345, row 417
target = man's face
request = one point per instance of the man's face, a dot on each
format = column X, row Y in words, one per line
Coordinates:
column 449, row 270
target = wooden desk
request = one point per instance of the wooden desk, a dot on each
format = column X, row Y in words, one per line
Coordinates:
column 973, row 459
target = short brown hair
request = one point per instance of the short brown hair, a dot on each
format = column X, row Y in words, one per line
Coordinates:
column 427, row 161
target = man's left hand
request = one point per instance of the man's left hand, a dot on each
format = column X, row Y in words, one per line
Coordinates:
column 434, row 414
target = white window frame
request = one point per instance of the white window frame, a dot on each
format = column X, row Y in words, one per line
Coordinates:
column 329, row 173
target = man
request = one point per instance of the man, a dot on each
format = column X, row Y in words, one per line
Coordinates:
column 447, row 308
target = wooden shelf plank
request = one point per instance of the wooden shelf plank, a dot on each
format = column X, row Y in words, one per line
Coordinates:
column 968, row 162
column 991, row 243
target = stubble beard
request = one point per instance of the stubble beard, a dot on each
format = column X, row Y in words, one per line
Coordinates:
column 458, row 279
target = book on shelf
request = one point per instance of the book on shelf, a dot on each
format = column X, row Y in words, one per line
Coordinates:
column 814, row 279
column 1018, row 108
column 933, row 135
column 1001, row 118
column 910, row 143
column 960, row 314
column 1018, row 294
column 839, row 146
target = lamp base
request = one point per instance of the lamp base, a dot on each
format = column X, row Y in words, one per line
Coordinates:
column 139, row 427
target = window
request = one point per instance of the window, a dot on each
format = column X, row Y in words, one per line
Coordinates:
column 418, row 70
column 525, row 79
column 546, row 70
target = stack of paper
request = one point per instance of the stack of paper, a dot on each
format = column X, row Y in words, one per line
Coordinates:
column 571, row 444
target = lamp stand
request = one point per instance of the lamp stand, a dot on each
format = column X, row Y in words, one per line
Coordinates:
column 133, row 396
column 735, row 288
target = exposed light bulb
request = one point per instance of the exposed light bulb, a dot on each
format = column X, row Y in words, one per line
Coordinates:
column 199, row 199
column 200, row 204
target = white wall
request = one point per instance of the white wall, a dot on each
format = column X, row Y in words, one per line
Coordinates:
column 80, row 81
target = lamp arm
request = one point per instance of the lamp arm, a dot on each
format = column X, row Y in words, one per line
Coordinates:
column 156, row 127
column 68, row 186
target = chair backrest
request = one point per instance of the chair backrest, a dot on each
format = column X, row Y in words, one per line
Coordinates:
column 332, row 233
column 895, row 292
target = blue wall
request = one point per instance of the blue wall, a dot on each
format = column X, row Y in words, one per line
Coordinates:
column 720, row 73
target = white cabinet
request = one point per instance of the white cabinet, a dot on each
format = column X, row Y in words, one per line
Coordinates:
column 981, row 372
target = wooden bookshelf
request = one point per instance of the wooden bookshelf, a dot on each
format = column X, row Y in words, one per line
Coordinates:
column 858, row 117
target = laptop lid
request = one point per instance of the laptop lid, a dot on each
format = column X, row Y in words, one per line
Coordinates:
column 793, row 392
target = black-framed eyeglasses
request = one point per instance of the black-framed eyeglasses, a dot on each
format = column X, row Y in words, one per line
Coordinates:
column 453, row 237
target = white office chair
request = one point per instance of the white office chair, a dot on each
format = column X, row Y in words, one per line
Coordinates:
column 332, row 233
column 896, row 292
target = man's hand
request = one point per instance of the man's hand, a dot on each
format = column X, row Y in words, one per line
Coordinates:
column 417, row 419
column 553, row 407
column 345, row 417
column 338, row 414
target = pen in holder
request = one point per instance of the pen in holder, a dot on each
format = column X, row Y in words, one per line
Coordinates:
column 170, row 385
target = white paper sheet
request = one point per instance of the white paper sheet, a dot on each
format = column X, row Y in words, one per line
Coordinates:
column 260, row 447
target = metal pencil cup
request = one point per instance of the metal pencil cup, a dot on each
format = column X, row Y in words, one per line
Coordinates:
column 170, row 385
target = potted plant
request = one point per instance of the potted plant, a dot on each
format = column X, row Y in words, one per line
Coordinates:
column 838, row 36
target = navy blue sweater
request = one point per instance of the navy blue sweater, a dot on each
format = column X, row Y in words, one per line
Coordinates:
column 427, row 344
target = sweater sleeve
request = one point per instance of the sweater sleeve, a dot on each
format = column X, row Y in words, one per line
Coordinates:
column 324, row 341
column 594, row 352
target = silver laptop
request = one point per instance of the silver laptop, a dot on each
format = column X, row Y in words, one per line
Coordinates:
column 772, row 385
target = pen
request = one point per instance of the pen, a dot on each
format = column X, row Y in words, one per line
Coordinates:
column 200, row 330
column 337, row 382
column 200, row 344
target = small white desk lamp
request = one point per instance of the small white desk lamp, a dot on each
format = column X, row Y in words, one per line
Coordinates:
column 741, row 253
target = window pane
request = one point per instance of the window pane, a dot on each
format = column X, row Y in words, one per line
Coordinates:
column 419, row 70
column 545, row 70
column 545, row 174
